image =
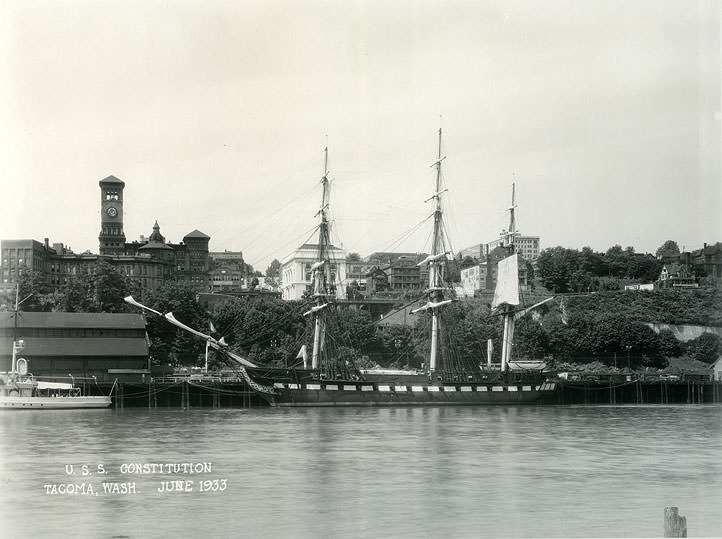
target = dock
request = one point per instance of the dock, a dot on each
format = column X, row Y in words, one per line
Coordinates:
column 184, row 392
column 637, row 389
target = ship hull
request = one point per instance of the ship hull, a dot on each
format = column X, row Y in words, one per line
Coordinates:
column 379, row 394
column 52, row 403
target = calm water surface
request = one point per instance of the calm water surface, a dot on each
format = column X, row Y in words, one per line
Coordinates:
column 387, row 472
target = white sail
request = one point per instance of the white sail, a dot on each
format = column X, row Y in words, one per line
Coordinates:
column 507, row 282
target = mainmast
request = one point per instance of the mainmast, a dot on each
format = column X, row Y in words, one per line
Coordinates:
column 321, row 270
column 438, row 255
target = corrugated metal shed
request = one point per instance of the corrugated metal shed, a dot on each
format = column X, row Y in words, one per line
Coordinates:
column 85, row 347
column 73, row 320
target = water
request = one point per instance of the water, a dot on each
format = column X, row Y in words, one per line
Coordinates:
column 537, row 471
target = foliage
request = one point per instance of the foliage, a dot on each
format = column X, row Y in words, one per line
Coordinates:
column 101, row 289
column 35, row 291
column 706, row 348
column 395, row 347
column 569, row 270
column 169, row 344
column 273, row 269
column 668, row 249
column 266, row 330
column 669, row 345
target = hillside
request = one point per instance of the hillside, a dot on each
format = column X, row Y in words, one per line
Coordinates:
column 697, row 307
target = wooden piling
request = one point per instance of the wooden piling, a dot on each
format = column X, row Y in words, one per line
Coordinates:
column 674, row 524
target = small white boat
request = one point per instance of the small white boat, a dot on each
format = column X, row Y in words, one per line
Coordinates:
column 20, row 390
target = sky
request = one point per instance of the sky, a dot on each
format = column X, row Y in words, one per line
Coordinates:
column 604, row 114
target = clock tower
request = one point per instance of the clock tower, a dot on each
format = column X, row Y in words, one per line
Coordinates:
column 112, row 237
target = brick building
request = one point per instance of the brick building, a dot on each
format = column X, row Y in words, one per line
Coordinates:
column 150, row 262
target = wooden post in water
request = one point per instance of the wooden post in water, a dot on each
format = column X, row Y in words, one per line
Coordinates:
column 674, row 524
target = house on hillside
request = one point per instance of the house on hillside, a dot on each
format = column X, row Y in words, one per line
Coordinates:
column 708, row 263
column 676, row 275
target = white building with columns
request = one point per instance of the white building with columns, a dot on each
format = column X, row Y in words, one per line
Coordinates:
column 296, row 271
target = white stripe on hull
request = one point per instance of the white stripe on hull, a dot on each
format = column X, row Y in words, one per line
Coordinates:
column 403, row 395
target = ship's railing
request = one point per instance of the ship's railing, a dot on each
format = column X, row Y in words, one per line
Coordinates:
column 178, row 378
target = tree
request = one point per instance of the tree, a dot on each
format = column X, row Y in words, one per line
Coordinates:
column 669, row 345
column 669, row 249
column 615, row 259
column 353, row 257
column 169, row 344
column 706, row 348
column 530, row 339
column 109, row 287
column 556, row 266
column 267, row 330
column 34, row 289
column 273, row 269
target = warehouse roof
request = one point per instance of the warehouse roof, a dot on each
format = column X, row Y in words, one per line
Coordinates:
column 73, row 320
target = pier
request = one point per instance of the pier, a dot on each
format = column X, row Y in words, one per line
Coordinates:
column 184, row 392
column 637, row 389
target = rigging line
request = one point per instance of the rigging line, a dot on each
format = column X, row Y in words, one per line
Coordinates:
column 407, row 233
column 381, row 205
column 308, row 234
column 263, row 237
column 383, row 156
column 252, row 225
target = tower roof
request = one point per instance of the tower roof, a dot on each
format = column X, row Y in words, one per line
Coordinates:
column 111, row 179
column 156, row 235
column 197, row 234
column 156, row 240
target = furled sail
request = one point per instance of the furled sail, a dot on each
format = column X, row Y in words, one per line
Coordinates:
column 507, row 282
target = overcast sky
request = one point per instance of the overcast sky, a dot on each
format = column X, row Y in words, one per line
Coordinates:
column 605, row 114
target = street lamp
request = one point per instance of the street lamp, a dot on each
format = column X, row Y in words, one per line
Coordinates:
column 628, row 348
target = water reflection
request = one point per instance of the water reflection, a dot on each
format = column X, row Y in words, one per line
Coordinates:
column 370, row 472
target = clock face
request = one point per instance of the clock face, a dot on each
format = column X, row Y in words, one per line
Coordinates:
column 112, row 211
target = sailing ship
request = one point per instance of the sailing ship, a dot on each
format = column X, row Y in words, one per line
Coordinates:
column 332, row 381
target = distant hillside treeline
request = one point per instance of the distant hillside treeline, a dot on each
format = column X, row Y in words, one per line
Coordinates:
column 609, row 327
column 572, row 270
column 702, row 307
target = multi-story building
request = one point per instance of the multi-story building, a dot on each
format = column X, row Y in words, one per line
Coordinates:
column 296, row 271
column 228, row 271
column 401, row 269
column 526, row 246
column 708, row 263
column 405, row 275
column 481, row 277
column 149, row 262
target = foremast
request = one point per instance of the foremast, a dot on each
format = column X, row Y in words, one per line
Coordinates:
column 436, row 267
column 506, row 294
column 321, row 271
